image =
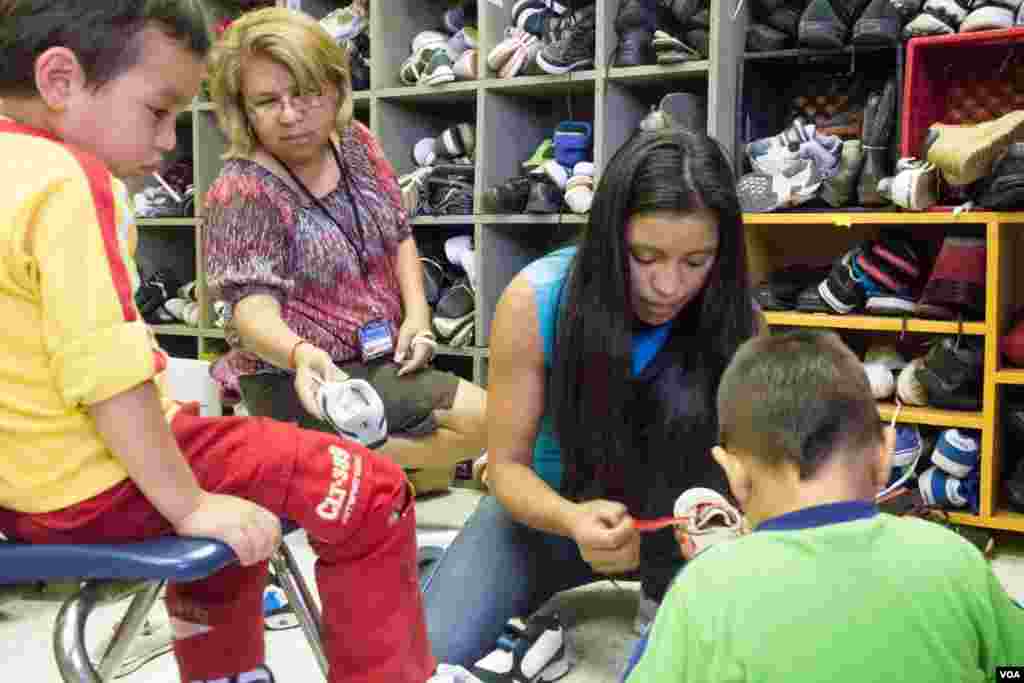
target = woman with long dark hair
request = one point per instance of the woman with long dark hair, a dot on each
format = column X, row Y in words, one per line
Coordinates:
column 604, row 363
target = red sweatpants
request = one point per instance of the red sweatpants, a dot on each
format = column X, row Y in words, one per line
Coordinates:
column 357, row 510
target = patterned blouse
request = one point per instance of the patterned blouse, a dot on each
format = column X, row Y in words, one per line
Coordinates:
column 262, row 236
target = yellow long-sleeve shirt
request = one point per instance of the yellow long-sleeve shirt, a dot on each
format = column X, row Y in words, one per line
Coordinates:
column 70, row 335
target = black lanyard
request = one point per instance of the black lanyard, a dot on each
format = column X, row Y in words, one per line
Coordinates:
column 359, row 249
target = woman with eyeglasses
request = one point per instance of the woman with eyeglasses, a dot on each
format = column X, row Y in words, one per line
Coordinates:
column 306, row 240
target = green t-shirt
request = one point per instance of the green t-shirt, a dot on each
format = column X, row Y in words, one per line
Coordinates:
column 835, row 593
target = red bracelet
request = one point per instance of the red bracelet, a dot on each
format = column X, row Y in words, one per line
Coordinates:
column 291, row 356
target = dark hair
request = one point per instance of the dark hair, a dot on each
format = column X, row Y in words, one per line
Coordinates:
column 104, row 35
column 797, row 397
column 596, row 403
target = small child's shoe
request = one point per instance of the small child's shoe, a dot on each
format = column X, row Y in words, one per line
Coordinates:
column 710, row 519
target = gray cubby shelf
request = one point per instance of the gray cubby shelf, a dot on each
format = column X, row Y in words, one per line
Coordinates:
column 512, row 116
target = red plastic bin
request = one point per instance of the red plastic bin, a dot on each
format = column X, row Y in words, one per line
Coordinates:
column 962, row 78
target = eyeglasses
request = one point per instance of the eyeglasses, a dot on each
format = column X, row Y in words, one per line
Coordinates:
column 273, row 107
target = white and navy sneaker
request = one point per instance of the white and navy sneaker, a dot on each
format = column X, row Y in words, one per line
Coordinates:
column 530, row 653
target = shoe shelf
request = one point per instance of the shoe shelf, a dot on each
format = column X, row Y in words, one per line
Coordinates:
column 923, row 415
column 1010, row 376
column 176, row 330
column 659, row 74
column 777, row 239
column 874, row 323
column 806, row 54
column 422, row 221
column 532, row 218
column 177, row 222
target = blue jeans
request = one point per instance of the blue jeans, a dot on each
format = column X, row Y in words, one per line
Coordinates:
column 495, row 569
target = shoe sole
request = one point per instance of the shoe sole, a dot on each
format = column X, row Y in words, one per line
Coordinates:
column 980, row 161
column 558, row 69
column 835, row 304
column 440, row 76
column 756, row 193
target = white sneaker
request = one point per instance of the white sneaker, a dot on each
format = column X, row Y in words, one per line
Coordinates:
column 796, row 184
column 710, row 519
column 915, row 185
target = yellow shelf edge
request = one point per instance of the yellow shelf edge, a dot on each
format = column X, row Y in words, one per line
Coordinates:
column 873, row 323
column 932, row 416
column 847, row 219
column 1010, row 376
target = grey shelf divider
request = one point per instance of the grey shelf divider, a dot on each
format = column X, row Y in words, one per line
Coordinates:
column 512, row 116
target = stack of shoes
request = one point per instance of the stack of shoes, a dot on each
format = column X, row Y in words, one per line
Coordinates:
column 461, row 255
column 444, row 180
column 516, row 54
column 906, row 455
column 833, row 24
column 662, row 31
column 450, row 188
column 774, row 24
column 173, row 196
column 952, row 481
column 943, row 17
column 349, row 26
column 788, row 168
column 579, row 190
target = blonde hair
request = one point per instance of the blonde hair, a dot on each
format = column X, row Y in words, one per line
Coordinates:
column 293, row 39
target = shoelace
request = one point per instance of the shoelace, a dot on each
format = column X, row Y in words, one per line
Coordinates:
column 695, row 524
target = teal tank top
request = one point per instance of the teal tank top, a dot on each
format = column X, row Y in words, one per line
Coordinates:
column 547, row 276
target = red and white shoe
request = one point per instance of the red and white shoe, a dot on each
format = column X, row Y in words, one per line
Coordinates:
column 710, row 519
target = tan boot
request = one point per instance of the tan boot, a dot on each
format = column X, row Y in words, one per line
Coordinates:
column 966, row 153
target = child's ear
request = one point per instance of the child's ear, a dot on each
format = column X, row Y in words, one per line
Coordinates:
column 883, row 459
column 59, row 76
column 736, row 472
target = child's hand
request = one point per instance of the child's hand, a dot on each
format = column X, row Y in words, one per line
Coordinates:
column 606, row 537
column 252, row 531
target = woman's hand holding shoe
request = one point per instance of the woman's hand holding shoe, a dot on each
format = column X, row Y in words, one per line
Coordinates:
column 313, row 366
column 606, row 537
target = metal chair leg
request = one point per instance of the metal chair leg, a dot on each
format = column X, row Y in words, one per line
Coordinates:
column 302, row 601
column 69, row 647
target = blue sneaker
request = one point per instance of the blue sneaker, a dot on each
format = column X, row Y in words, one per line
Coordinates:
column 956, row 452
column 940, row 489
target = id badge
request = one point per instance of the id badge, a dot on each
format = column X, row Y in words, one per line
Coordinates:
column 375, row 340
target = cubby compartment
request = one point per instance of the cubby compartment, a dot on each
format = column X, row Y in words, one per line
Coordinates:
column 403, row 122
column 829, row 84
column 514, row 123
column 451, row 263
column 507, row 248
column 391, row 35
column 1010, row 310
column 626, row 104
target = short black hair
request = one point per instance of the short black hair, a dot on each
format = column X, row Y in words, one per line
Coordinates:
column 797, row 397
column 104, row 34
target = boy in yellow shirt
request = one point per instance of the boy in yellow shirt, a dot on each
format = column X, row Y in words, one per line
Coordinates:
column 90, row 449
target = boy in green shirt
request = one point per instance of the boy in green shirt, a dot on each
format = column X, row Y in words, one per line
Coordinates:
column 827, row 588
